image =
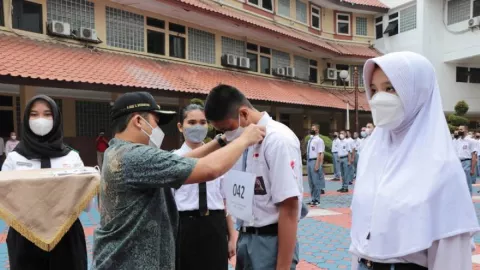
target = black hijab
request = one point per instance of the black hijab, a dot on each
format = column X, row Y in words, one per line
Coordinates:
column 45, row 147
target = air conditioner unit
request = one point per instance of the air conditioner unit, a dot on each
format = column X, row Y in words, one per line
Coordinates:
column 279, row 72
column 290, row 72
column 474, row 22
column 330, row 74
column 59, row 28
column 88, row 34
column 229, row 60
column 244, row 62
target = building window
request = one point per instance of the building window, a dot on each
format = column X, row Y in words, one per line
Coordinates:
column 360, row 75
column 379, row 27
column 91, row 117
column 78, row 13
column 462, row 74
column 458, row 11
column 302, row 68
column 313, row 73
column 339, row 68
column 476, row 8
column 392, row 28
column 233, row 46
column 265, row 4
column 361, row 27
column 201, row 46
column 254, row 52
column 316, row 17
column 284, row 8
column 125, row 29
column 2, row 18
column 301, row 10
column 343, row 23
column 27, row 16
column 280, row 59
column 253, row 61
column 265, row 67
column 155, row 36
column 177, row 40
column 408, row 19
column 474, row 75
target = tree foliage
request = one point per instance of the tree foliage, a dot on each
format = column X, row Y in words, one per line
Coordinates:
column 461, row 108
column 458, row 118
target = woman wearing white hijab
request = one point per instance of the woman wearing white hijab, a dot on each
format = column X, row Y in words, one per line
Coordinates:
column 411, row 206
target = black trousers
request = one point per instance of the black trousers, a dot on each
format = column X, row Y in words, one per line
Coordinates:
column 69, row 254
column 202, row 242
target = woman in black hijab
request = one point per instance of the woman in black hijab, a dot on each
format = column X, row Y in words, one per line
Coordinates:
column 42, row 147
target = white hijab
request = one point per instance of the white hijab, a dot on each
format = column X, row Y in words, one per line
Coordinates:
column 411, row 189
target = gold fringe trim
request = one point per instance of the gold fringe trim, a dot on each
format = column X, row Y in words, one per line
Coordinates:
column 48, row 245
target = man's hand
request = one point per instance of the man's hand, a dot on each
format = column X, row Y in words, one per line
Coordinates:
column 317, row 166
column 253, row 134
column 232, row 248
column 472, row 172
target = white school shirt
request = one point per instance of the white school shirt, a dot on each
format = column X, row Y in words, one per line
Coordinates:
column 277, row 163
column 315, row 146
column 465, row 147
column 10, row 145
column 335, row 145
column 17, row 162
column 359, row 144
column 352, row 144
column 343, row 148
column 187, row 196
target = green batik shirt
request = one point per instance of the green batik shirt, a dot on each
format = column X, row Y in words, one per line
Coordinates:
column 139, row 218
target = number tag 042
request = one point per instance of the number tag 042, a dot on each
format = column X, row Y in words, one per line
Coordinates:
column 239, row 188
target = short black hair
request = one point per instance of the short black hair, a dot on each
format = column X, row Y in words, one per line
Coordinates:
column 189, row 108
column 223, row 102
column 120, row 124
column 316, row 125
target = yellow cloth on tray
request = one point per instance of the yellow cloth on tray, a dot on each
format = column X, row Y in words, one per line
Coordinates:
column 43, row 204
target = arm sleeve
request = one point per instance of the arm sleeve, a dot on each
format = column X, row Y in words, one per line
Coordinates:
column 452, row 253
column 8, row 164
column 321, row 146
column 147, row 167
column 280, row 156
column 473, row 146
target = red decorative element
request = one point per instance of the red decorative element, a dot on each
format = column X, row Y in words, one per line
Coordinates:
column 292, row 164
column 255, row 155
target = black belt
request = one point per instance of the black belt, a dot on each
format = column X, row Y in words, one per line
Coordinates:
column 388, row 266
column 196, row 213
column 462, row 160
column 343, row 157
column 271, row 229
column 312, row 159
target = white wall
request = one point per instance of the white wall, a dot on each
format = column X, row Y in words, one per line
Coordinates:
column 395, row 3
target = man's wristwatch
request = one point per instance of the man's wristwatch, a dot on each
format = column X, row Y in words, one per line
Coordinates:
column 220, row 141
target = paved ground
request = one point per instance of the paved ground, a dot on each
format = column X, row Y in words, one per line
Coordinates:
column 324, row 235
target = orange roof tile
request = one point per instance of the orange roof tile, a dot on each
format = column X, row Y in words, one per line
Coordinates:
column 371, row 3
column 336, row 48
column 26, row 58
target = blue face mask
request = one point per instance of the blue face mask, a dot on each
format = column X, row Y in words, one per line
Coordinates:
column 196, row 133
column 363, row 134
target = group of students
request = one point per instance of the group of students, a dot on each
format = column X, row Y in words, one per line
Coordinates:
column 410, row 210
column 467, row 149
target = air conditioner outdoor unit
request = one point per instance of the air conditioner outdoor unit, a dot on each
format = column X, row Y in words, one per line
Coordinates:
column 88, row 34
column 244, row 62
column 474, row 22
column 290, row 72
column 279, row 71
column 330, row 74
column 229, row 60
column 59, row 28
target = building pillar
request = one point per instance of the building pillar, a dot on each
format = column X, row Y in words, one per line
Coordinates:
column 308, row 120
column 69, row 117
column 333, row 122
column 26, row 94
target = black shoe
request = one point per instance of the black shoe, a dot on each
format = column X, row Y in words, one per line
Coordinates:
column 310, row 202
column 316, row 203
column 340, row 190
column 344, row 190
column 351, row 183
column 322, row 191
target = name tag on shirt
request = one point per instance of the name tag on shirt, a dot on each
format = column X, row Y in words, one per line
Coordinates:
column 24, row 164
column 239, row 189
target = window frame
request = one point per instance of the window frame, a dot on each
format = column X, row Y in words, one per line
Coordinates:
column 19, row 26
column 390, row 20
column 319, row 16
column 378, row 23
column 2, row 14
column 260, row 5
column 337, row 21
column 310, row 67
column 177, row 34
column 473, row 8
column 260, row 54
column 159, row 30
column 306, row 12
column 457, row 75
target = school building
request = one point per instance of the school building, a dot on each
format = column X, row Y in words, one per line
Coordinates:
column 285, row 55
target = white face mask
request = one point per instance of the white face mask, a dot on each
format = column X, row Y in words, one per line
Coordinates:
column 233, row 134
column 41, row 126
column 342, row 136
column 387, row 110
column 156, row 137
column 368, row 131
column 13, row 137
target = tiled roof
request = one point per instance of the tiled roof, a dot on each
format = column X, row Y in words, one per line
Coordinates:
column 26, row 58
column 372, row 3
column 340, row 50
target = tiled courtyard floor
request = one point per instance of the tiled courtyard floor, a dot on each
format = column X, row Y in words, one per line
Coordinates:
column 323, row 235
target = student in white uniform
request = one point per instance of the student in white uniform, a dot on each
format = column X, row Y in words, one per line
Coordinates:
column 357, row 141
column 344, row 160
column 270, row 241
column 477, row 139
column 336, row 161
column 467, row 149
column 206, row 238
column 42, row 147
column 315, row 153
column 411, row 208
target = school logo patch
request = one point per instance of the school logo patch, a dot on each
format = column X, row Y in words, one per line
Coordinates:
column 292, row 164
column 465, row 147
column 260, row 186
column 255, row 155
column 313, row 148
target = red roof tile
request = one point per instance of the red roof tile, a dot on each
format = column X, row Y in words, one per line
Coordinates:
column 26, row 58
column 371, row 3
column 336, row 48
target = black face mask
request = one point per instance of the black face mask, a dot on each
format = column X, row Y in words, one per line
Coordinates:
column 312, row 132
column 335, row 135
column 478, row 136
column 461, row 133
column 455, row 136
